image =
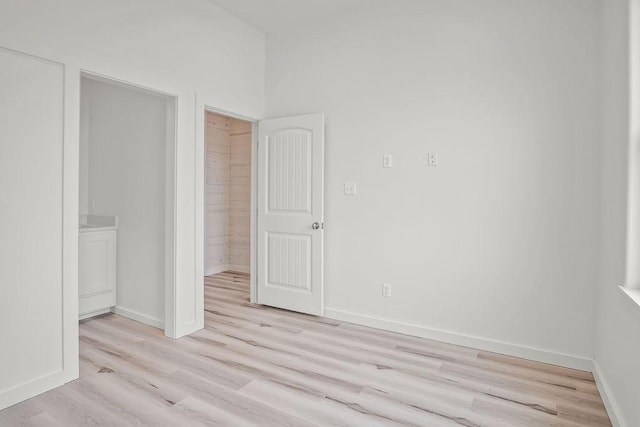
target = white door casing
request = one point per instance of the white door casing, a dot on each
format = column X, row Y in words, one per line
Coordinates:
column 290, row 202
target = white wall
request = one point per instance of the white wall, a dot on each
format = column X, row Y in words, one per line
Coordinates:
column 126, row 143
column 499, row 242
column 617, row 349
column 191, row 49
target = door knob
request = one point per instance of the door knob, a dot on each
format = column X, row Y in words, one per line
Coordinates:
column 315, row 225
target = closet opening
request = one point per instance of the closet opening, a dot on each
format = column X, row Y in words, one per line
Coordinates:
column 228, row 222
column 126, row 200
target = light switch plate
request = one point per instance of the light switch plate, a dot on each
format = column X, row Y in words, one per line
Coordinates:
column 387, row 161
column 386, row 290
column 432, row 159
column 350, row 189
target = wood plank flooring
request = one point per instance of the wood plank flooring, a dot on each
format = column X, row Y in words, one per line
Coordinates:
column 255, row 365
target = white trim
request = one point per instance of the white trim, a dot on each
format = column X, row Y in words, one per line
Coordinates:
column 171, row 224
column 632, row 102
column 70, row 209
column 125, row 84
column 613, row 409
column 32, row 388
column 253, row 217
column 525, row 352
column 229, row 114
column 138, row 317
column 199, row 216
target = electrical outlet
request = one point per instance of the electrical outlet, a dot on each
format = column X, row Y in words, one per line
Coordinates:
column 387, row 161
column 432, row 159
column 386, row 290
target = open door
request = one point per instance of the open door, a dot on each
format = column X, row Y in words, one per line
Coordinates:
column 291, row 213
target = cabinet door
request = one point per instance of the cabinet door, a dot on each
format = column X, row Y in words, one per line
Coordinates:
column 97, row 275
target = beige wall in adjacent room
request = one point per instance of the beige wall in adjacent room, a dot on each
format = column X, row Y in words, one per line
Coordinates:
column 217, row 193
column 240, row 196
column 228, row 194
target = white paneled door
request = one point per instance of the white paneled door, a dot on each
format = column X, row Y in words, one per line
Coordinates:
column 291, row 213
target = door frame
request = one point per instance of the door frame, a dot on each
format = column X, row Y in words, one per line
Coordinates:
column 201, row 237
column 171, row 177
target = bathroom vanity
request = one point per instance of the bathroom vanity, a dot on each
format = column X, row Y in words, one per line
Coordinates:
column 97, row 241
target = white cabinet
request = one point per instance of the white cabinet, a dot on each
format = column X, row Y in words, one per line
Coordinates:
column 97, row 271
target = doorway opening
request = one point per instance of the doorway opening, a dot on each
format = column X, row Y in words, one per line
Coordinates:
column 126, row 200
column 228, row 196
column 264, row 207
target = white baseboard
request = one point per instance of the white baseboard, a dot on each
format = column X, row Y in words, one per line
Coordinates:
column 32, row 388
column 239, row 268
column 613, row 409
column 216, row 269
column 531, row 353
column 138, row 317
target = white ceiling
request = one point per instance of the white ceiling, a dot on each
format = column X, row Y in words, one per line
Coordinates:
column 273, row 16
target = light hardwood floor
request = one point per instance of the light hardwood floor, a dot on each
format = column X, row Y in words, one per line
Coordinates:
column 254, row 365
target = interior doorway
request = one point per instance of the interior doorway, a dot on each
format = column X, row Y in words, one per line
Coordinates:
column 263, row 207
column 228, row 194
column 126, row 200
